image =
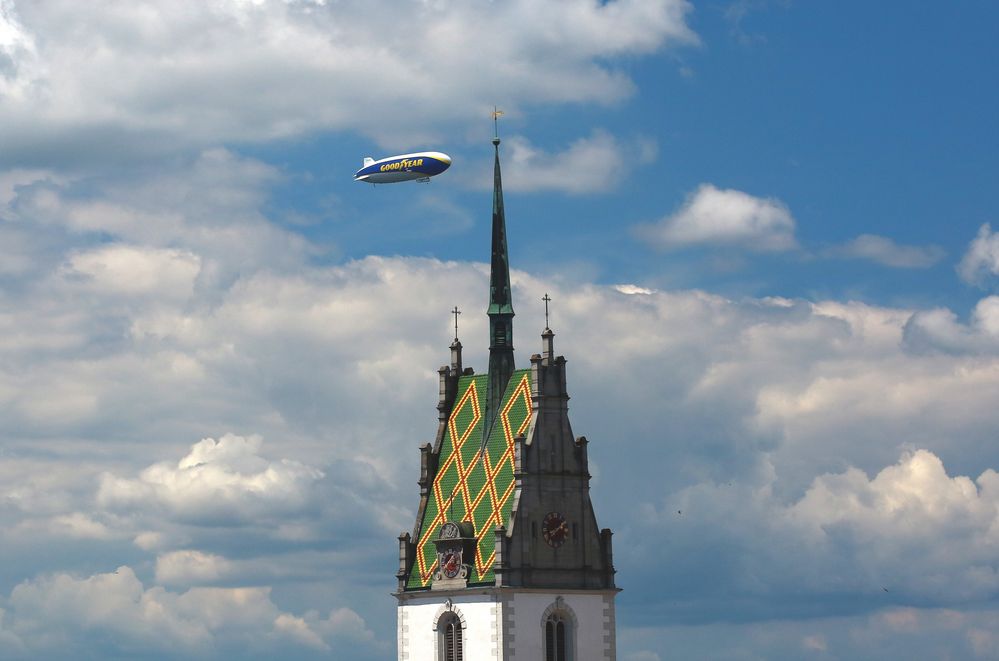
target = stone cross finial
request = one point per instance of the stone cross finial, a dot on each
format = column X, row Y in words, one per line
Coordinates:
column 456, row 312
column 546, row 298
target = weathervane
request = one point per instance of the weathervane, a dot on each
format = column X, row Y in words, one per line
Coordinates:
column 456, row 312
column 497, row 113
column 546, row 298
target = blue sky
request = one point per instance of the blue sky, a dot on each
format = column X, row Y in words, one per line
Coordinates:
column 767, row 228
column 859, row 126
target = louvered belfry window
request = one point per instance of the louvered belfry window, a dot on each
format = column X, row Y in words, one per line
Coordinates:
column 450, row 628
column 500, row 339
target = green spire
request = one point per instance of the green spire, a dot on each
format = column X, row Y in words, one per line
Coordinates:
column 500, row 301
column 500, row 306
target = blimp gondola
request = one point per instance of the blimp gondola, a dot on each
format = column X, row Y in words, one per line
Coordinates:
column 405, row 167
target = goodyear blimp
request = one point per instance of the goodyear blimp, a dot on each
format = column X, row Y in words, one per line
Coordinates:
column 405, row 167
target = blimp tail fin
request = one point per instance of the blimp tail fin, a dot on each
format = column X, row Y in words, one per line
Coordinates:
column 368, row 161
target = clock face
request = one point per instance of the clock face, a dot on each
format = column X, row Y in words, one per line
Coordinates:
column 555, row 529
column 450, row 563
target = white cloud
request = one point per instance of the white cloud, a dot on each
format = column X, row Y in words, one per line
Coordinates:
column 199, row 515
column 913, row 527
column 80, row 525
column 883, row 250
column 593, row 164
column 135, row 270
column 775, row 375
column 149, row 540
column 218, row 481
column 58, row 616
column 633, row 290
column 187, row 567
column 277, row 559
column 713, row 216
column 17, row 47
column 728, row 408
column 910, row 535
column 75, row 77
column 940, row 330
column 150, row 312
column 205, row 207
column 982, row 258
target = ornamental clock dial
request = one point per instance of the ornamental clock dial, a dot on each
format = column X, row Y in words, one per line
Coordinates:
column 450, row 563
column 555, row 529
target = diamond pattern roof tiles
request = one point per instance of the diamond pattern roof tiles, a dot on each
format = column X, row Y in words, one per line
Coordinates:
column 472, row 484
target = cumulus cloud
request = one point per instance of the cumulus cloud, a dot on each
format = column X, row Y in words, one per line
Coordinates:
column 773, row 378
column 204, row 208
column 189, row 566
column 593, row 164
column 912, row 526
column 724, row 217
column 74, row 79
column 940, row 330
column 745, row 414
column 982, row 258
column 75, row 525
column 61, row 616
column 882, row 250
column 133, row 270
column 225, row 515
column 224, row 481
column 912, row 534
column 804, row 442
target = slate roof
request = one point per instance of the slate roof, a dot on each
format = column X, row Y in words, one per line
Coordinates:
column 471, row 485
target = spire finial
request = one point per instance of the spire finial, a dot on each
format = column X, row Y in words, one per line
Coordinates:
column 497, row 113
column 456, row 312
column 546, row 298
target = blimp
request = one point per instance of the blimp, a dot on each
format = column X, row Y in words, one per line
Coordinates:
column 405, row 167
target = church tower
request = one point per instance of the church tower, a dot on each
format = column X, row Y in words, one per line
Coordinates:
column 506, row 561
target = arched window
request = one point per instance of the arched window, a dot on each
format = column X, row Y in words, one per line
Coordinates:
column 555, row 638
column 558, row 629
column 449, row 638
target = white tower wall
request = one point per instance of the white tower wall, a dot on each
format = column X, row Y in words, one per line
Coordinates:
column 593, row 628
column 508, row 625
column 481, row 618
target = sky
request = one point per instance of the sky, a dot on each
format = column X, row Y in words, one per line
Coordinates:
column 768, row 229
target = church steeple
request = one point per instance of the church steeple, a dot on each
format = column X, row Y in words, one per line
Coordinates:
column 501, row 364
column 505, row 536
